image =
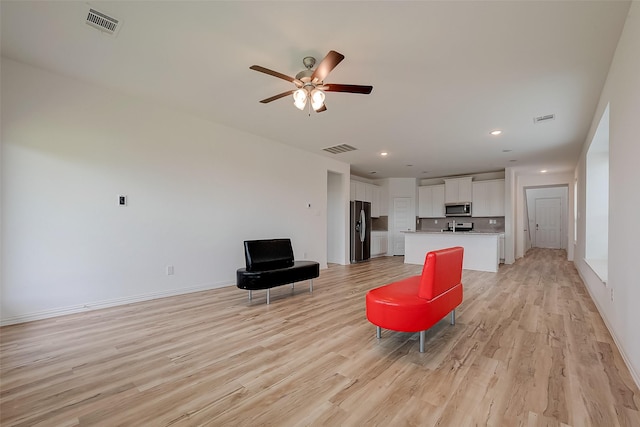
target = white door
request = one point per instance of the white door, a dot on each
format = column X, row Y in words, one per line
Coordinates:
column 548, row 223
column 403, row 220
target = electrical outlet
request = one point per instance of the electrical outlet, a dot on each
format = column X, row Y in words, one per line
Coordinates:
column 169, row 270
column 611, row 294
column 435, row 221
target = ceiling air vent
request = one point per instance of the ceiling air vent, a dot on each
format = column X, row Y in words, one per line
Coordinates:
column 103, row 22
column 337, row 149
column 546, row 118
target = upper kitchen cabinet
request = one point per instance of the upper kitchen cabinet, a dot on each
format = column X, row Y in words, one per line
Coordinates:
column 488, row 198
column 431, row 201
column 375, row 201
column 368, row 193
column 361, row 191
column 457, row 189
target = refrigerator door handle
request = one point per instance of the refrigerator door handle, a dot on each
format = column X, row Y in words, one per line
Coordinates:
column 363, row 227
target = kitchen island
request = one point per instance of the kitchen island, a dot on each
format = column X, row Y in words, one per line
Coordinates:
column 481, row 250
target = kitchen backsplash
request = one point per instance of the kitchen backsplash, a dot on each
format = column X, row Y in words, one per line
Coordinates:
column 380, row 224
column 479, row 224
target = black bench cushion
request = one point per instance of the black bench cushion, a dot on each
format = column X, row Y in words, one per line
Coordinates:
column 269, row 254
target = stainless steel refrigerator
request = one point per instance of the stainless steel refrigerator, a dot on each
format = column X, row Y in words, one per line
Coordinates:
column 360, row 231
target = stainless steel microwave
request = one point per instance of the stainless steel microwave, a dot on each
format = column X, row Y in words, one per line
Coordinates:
column 457, row 209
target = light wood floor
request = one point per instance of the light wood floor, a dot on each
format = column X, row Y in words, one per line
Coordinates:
column 528, row 348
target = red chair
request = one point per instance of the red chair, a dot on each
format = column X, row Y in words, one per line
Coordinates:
column 417, row 303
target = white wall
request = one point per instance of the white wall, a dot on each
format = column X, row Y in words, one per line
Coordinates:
column 622, row 91
column 337, row 249
column 196, row 190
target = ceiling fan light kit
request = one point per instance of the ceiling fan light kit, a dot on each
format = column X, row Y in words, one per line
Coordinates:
column 301, row 95
column 310, row 83
column 300, row 98
column 317, row 99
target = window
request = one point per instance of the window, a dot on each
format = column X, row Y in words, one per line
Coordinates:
column 597, row 200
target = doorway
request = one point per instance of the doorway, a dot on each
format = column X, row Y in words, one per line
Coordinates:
column 548, row 227
column 546, row 209
column 403, row 220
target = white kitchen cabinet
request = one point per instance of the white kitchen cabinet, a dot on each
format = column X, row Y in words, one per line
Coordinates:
column 367, row 193
column 431, row 201
column 480, row 201
column 496, row 198
column 361, row 192
column 375, row 201
column 458, row 189
column 437, row 205
column 488, row 198
column 384, row 201
column 379, row 243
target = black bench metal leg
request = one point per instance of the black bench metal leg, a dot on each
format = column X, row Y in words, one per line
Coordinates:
column 310, row 286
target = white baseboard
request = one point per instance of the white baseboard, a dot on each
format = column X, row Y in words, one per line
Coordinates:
column 627, row 362
column 46, row 314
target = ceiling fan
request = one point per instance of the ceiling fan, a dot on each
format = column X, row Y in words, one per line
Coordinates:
column 310, row 83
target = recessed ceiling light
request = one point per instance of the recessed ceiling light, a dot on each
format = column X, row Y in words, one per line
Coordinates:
column 425, row 171
column 506, row 151
column 543, row 171
column 409, row 166
column 384, row 153
column 496, row 132
column 373, row 172
column 513, row 160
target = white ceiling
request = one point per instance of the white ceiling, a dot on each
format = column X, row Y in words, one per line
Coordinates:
column 444, row 74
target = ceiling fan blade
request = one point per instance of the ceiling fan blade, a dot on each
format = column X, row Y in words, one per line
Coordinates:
column 278, row 96
column 321, row 109
column 332, row 87
column 276, row 74
column 329, row 62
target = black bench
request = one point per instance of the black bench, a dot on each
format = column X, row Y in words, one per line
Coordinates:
column 270, row 263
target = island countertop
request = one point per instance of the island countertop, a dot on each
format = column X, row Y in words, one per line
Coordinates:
column 497, row 233
column 481, row 250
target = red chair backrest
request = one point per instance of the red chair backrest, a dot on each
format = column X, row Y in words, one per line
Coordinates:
column 442, row 270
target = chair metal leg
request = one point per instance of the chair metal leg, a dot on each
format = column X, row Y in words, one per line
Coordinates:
column 453, row 316
column 268, row 299
column 293, row 286
column 250, row 295
column 422, row 336
column 311, row 286
column 378, row 332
